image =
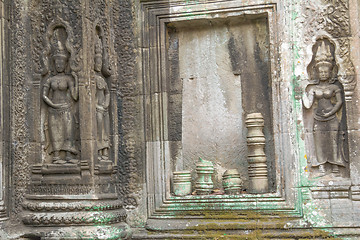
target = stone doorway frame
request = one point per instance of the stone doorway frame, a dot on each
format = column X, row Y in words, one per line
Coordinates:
column 161, row 204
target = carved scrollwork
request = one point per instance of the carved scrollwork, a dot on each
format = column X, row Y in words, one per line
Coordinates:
column 76, row 218
column 71, row 207
column 348, row 78
column 130, row 144
column 332, row 16
column 59, row 189
column 19, row 81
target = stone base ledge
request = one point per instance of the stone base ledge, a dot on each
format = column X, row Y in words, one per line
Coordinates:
column 306, row 233
column 120, row 231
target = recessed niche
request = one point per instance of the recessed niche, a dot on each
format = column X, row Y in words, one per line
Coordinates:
column 218, row 72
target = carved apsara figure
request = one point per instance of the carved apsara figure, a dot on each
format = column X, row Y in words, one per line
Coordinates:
column 59, row 93
column 102, row 104
column 326, row 97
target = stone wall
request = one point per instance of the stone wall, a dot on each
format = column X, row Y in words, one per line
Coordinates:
column 179, row 119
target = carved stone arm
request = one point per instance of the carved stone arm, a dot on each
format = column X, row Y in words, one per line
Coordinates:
column 45, row 93
column 308, row 97
column 337, row 106
column 74, row 88
column 107, row 97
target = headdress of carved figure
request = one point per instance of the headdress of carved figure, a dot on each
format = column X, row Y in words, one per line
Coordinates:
column 323, row 55
column 59, row 50
column 98, row 47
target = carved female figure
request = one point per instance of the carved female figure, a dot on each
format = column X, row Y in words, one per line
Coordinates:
column 59, row 92
column 326, row 95
column 102, row 104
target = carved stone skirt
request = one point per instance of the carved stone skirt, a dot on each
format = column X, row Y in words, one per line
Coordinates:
column 327, row 140
column 61, row 130
column 103, row 128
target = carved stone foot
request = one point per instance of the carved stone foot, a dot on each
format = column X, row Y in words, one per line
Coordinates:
column 335, row 169
column 58, row 161
column 73, row 161
column 322, row 169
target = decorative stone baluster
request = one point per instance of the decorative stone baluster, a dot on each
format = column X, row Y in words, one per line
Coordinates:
column 256, row 155
column 204, row 184
column 182, row 183
column 232, row 182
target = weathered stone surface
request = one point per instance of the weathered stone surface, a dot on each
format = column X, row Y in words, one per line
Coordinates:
column 102, row 101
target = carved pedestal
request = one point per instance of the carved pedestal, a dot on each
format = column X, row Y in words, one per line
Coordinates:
column 72, row 203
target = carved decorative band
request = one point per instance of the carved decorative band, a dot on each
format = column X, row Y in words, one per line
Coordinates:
column 75, row 218
column 64, row 189
column 59, row 189
column 70, row 207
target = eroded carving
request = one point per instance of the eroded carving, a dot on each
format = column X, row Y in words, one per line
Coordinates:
column 102, row 103
column 332, row 16
column 129, row 107
column 325, row 96
column 19, row 147
column 232, row 182
column 72, row 206
column 60, row 92
column 77, row 218
column 204, row 184
column 182, row 183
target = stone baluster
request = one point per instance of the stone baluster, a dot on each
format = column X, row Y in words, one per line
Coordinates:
column 182, row 183
column 232, row 182
column 256, row 156
column 204, row 184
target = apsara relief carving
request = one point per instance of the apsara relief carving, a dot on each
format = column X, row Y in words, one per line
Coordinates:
column 325, row 96
column 60, row 92
column 102, row 103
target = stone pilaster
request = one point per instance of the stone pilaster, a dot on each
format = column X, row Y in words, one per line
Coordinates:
column 72, row 191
